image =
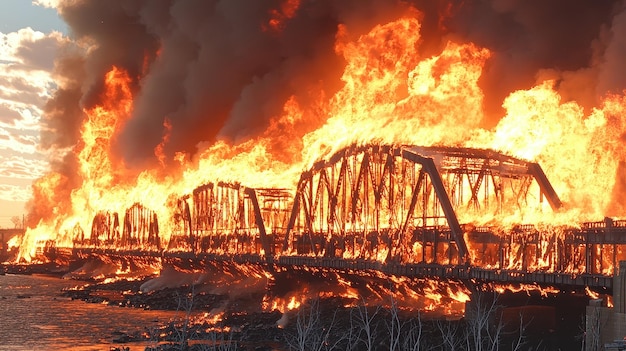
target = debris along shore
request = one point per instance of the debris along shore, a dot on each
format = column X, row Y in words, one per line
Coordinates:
column 205, row 318
column 238, row 308
column 217, row 304
column 208, row 319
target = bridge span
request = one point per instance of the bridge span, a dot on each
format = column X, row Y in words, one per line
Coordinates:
column 402, row 210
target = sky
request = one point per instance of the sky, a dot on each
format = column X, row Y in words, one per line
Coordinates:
column 30, row 36
column 246, row 67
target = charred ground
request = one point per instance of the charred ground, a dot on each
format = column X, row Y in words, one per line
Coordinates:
column 224, row 304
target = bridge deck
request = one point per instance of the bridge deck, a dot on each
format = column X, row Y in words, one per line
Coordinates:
column 416, row 270
column 416, row 208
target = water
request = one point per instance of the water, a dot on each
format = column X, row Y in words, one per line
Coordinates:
column 33, row 316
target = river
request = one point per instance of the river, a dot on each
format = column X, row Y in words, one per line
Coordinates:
column 34, row 316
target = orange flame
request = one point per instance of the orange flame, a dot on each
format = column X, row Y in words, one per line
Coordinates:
column 284, row 304
column 390, row 94
column 278, row 17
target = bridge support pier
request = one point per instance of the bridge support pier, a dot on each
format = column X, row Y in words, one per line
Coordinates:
column 605, row 327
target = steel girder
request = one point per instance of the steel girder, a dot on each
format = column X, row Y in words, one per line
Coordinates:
column 182, row 237
column 105, row 229
column 378, row 202
column 487, row 172
column 141, row 228
column 232, row 219
column 372, row 202
column 383, row 194
column 366, row 205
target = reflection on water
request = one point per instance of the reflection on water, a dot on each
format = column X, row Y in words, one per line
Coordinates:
column 33, row 316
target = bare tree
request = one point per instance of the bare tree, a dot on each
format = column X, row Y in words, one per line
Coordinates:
column 353, row 334
column 17, row 221
column 366, row 325
column 311, row 334
column 413, row 336
column 482, row 333
column 520, row 341
column 394, row 327
column 400, row 335
column 449, row 332
column 218, row 341
column 405, row 335
column 185, row 304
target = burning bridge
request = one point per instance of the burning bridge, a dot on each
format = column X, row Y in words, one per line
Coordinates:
column 402, row 210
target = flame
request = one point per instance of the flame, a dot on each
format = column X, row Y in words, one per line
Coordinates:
column 212, row 318
column 527, row 288
column 286, row 303
column 106, row 183
column 391, row 94
column 102, row 124
column 439, row 297
column 158, row 150
column 278, row 17
column 14, row 242
column 592, row 294
column 567, row 144
column 388, row 89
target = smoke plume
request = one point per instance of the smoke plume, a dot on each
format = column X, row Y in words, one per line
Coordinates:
column 208, row 70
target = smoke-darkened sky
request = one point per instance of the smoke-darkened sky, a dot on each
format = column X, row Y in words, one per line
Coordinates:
column 207, row 70
column 214, row 70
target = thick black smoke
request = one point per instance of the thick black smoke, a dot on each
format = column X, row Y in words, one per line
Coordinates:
column 217, row 69
column 210, row 68
column 572, row 41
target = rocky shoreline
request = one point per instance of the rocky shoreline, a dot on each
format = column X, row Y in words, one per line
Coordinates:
column 242, row 324
column 225, row 306
column 245, row 331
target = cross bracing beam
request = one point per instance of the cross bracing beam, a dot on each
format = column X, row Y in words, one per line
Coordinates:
column 138, row 230
column 488, row 163
column 448, row 158
column 386, row 194
column 233, row 219
column 105, row 229
column 453, row 222
column 141, row 227
column 182, row 234
column 385, row 205
column 372, row 202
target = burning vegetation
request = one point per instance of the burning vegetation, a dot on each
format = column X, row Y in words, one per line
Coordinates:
column 475, row 141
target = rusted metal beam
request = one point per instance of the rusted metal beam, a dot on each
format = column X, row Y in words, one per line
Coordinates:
column 545, row 185
column 369, row 186
column 260, row 224
column 429, row 166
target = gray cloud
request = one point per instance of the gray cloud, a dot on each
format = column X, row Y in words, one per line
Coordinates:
column 39, row 54
column 20, row 90
column 612, row 76
column 527, row 37
column 7, row 115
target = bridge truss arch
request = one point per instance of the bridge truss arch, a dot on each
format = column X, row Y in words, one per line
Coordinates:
column 400, row 203
column 231, row 219
column 105, row 229
column 141, row 228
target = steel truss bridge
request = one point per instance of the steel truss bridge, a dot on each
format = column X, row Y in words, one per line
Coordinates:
column 402, row 210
